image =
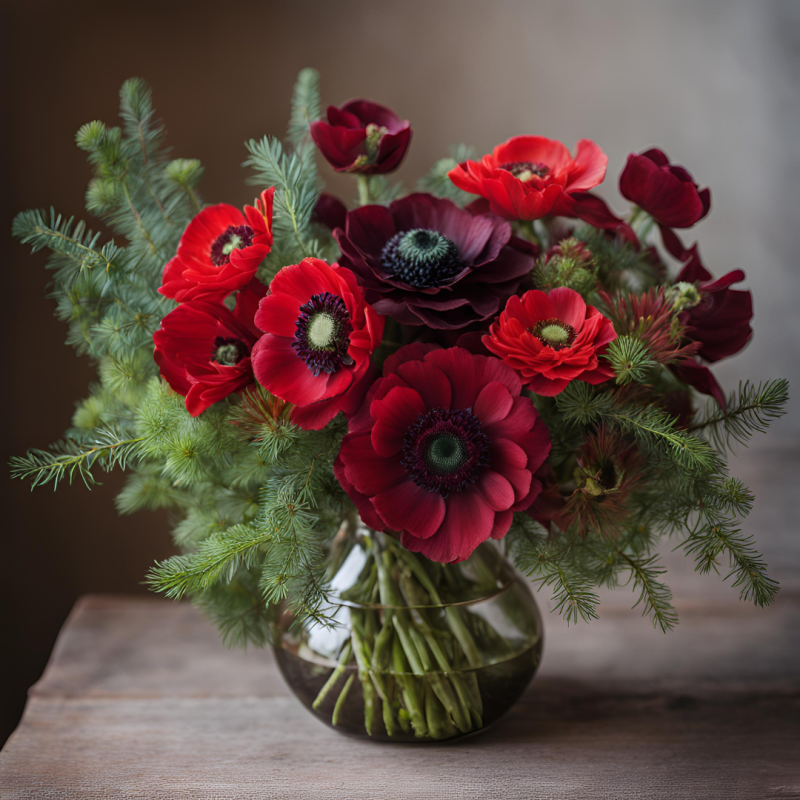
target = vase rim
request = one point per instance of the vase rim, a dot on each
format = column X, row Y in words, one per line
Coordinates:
column 341, row 603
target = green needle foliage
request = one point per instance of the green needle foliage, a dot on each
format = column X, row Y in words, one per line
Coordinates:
column 749, row 410
column 256, row 506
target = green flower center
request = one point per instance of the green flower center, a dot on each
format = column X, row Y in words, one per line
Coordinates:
column 228, row 352
column 554, row 333
column 421, row 258
column 322, row 332
column 446, row 454
column 232, row 244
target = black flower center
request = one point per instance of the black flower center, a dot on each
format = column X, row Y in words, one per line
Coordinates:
column 554, row 333
column 231, row 239
column 421, row 258
column 445, row 449
column 228, row 351
column 322, row 335
column 525, row 170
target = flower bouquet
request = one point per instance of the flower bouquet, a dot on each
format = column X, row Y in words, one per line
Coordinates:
column 369, row 422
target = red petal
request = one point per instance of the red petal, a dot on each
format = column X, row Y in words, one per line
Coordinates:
column 493, row 403
column 277, row 314
column 467, row 523
column 407, row 507
column 394, row 414
column 568, row 306
column 369, row 472
column 279, row 370
column 496, row 490
column 502, row 522
column 429, row 381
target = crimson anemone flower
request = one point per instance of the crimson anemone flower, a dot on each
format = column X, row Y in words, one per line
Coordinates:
column 714, row 314
column 552, row 339
column 319, row 334
column 530, row 177
column 443, row 451
column 203, row 349
column 665, row 191
column 362, row 136
column 220, row 250
column 425, row 261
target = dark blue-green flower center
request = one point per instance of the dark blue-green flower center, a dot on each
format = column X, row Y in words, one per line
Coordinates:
column 445, row 449
column 421, row 258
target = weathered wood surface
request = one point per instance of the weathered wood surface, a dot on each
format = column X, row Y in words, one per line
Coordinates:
column 140, row 701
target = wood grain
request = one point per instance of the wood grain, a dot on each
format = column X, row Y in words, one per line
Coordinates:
column 140, row 701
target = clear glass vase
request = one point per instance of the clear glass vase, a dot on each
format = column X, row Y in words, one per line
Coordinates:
column 420, row 651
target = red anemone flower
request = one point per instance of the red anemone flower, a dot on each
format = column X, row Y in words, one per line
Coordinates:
column 319, row 334
column 552, row 339
column 220, row 250
column 203, row 349
column 530, row 177
column 714, row 315
column 362, row 136
column 665, row 191
column 444, row 451
column 425, row 261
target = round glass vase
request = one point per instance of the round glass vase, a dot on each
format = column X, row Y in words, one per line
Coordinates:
column 419, row 651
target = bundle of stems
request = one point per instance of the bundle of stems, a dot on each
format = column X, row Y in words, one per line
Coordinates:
column 414, row 655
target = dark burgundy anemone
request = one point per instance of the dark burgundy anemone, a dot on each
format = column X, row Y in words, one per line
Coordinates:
column 362, row 136
column 714, row 314
column 425, row 261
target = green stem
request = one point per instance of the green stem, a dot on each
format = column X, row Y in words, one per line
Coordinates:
column 337, row 709
column 412, row 701
column 363, row 190
column 335, row 675
column 453, row 613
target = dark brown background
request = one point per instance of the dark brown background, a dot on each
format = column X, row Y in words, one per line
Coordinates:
column 713, row 83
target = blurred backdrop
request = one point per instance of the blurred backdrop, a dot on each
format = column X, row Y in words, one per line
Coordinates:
column 712, row 82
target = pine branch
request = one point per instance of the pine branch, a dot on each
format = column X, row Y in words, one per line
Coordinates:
column 67, row 458
column 438, row 184
column 74, row 242
column 306, row 107
column 654, row 596
column 217, row 560
column 186, row 173
column 573, row 595
column 749, row 410
column 295, row 181
column 239, row 613
column 630, row 359
column 717, row 535
column 654, row 430
column 553, row 564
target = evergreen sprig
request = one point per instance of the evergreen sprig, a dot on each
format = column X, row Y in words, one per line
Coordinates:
column 630, row 359
column 216, row 560
column 551, row 563
column 749, row 410
column 655, row 598
column 438, row 184
column 295, row 181
column 68, row 459
column 653, row 428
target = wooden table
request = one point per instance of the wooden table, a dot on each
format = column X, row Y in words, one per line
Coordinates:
column 141, row 701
